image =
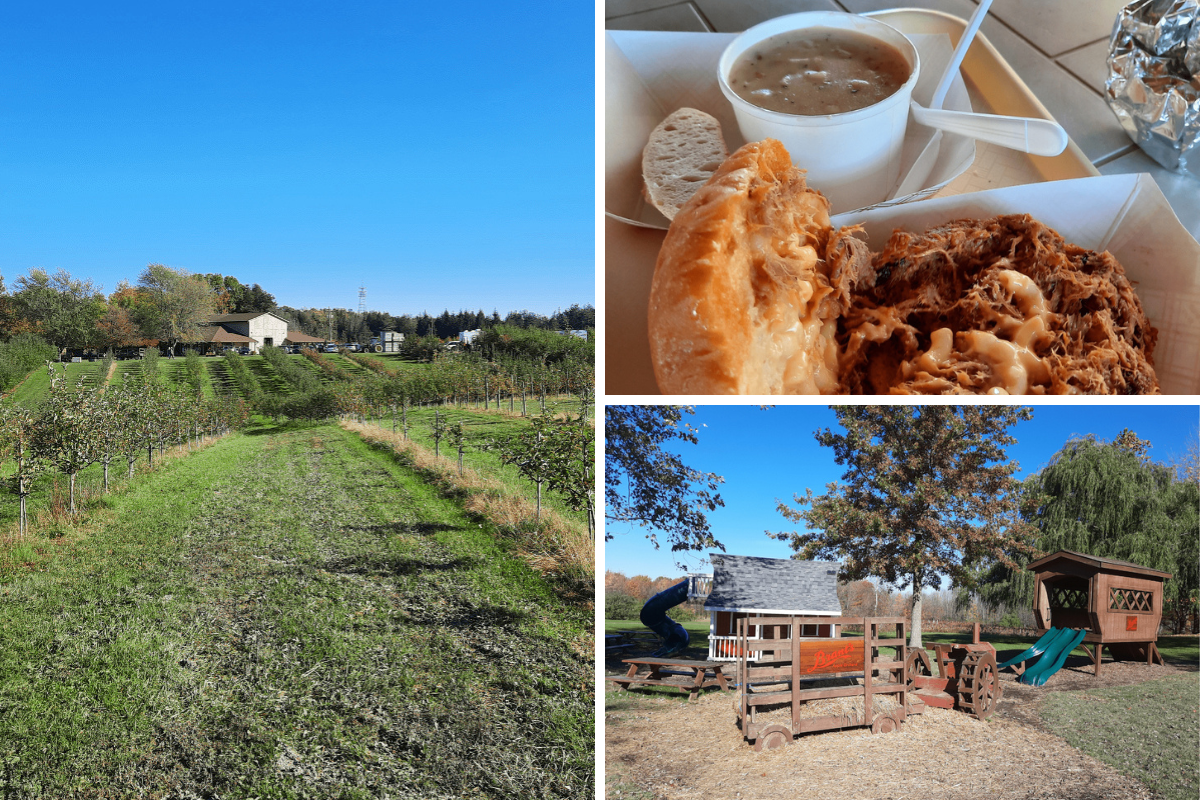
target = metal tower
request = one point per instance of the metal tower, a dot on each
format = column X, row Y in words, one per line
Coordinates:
column 362, row 299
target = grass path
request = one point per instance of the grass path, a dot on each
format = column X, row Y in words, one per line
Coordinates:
column 291, row 615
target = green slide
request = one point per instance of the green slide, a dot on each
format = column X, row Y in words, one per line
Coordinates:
column 1037, row 649
column 1052, row 660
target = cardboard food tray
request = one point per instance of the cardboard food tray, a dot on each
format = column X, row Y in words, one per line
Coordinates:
column 1124, row 214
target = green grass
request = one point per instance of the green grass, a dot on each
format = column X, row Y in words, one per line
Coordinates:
column 35, row 387
column 1149, row 731
column 290, row 614
column 481, row 432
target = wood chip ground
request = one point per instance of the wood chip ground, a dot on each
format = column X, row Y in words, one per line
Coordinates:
column 661, row 748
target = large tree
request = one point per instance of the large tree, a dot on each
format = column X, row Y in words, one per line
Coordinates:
column 1110, row 499
column 64, row 310
column 646, row 485
column 928, row 493
column 176, row 303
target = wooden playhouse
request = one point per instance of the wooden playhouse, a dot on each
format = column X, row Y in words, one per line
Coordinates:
column 1117, row 602
column 751, row 587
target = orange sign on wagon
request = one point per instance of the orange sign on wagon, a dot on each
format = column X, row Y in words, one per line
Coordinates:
column 834, row 655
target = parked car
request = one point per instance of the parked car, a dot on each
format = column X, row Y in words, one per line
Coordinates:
column 243, row 351
column 331, row 348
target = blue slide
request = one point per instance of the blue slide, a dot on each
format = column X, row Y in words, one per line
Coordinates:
column 1037, row 649
column 654, row 616
column 1052, row 660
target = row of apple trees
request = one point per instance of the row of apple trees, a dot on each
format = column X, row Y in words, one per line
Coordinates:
column 79, row 425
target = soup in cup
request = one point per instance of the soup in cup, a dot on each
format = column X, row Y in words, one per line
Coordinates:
column 834, row 88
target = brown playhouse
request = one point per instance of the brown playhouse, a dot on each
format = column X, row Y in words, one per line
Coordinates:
column 1117, row 603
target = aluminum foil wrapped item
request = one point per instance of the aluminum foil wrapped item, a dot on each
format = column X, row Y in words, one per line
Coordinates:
column 1153, row 81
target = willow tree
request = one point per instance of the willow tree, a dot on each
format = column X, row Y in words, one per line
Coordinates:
column 1109, row 499
column 928, row 493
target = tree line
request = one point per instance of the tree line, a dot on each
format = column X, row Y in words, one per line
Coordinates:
column 171, row 306
column 344, row 325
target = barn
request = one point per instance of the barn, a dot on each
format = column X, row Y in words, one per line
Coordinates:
column 752, row 586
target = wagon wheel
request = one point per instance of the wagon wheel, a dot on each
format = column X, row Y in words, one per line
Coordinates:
column 979, row 688
column 773, row 737
column 916, row 665
column 885, row 723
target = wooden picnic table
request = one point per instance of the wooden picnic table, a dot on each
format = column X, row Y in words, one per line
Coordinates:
column 661, row 670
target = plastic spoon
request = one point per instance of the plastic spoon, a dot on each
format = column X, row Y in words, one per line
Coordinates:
column 915, row 179
column 1041, row 137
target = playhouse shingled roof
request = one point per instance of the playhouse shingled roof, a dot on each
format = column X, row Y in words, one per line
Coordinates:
column 773, row 585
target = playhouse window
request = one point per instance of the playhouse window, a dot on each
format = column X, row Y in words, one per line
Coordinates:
column 1134, row 600
column 1069, row 595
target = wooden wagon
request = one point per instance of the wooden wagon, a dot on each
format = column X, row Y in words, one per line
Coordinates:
column 779, row 668
column 1119, row 603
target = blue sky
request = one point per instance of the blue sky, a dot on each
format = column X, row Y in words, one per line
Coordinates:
column 769, row 455
column 440, row 156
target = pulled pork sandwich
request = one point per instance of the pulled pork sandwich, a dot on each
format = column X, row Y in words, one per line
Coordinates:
column 743, row 299
column 754, row 293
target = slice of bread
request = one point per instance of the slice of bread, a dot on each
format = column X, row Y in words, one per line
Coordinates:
column 683, row 153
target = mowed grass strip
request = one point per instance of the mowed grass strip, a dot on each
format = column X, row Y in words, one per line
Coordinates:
column 1149, row 731
column 291, row 615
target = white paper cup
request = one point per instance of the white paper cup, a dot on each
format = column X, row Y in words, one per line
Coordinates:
column 853, row 158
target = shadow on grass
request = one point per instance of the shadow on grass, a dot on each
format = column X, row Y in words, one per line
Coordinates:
column 380, row 564
column 398, row 528
column 260, row 426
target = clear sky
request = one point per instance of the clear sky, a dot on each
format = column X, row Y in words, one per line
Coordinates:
column 442, row 156
column 770, row 455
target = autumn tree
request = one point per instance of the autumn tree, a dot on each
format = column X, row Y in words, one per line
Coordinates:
column 647, row 485
column 116, row 328
column 1109, row 499
column 928, row 494
column 176, row 303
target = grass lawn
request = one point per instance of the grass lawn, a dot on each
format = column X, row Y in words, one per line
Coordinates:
column 481, row 431
column 290, row 614
column 1149, row 731
column 35, row 387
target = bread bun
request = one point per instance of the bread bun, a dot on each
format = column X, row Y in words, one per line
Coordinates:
column 683, row 152
column 741, row 301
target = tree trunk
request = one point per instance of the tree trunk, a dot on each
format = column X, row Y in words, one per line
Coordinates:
column 914, row 638
column 107, row 459
column 72, row 492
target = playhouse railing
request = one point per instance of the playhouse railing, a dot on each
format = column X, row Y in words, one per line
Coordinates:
column 699, row 585
column 723, row 648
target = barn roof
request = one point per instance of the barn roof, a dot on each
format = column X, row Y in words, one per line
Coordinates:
column 244, row 317
column 1098, row 563
column 296, row 337
column 217, row 334
column 773, row 585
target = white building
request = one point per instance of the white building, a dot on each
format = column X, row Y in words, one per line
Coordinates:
column 750, row 586
column 256, row 330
